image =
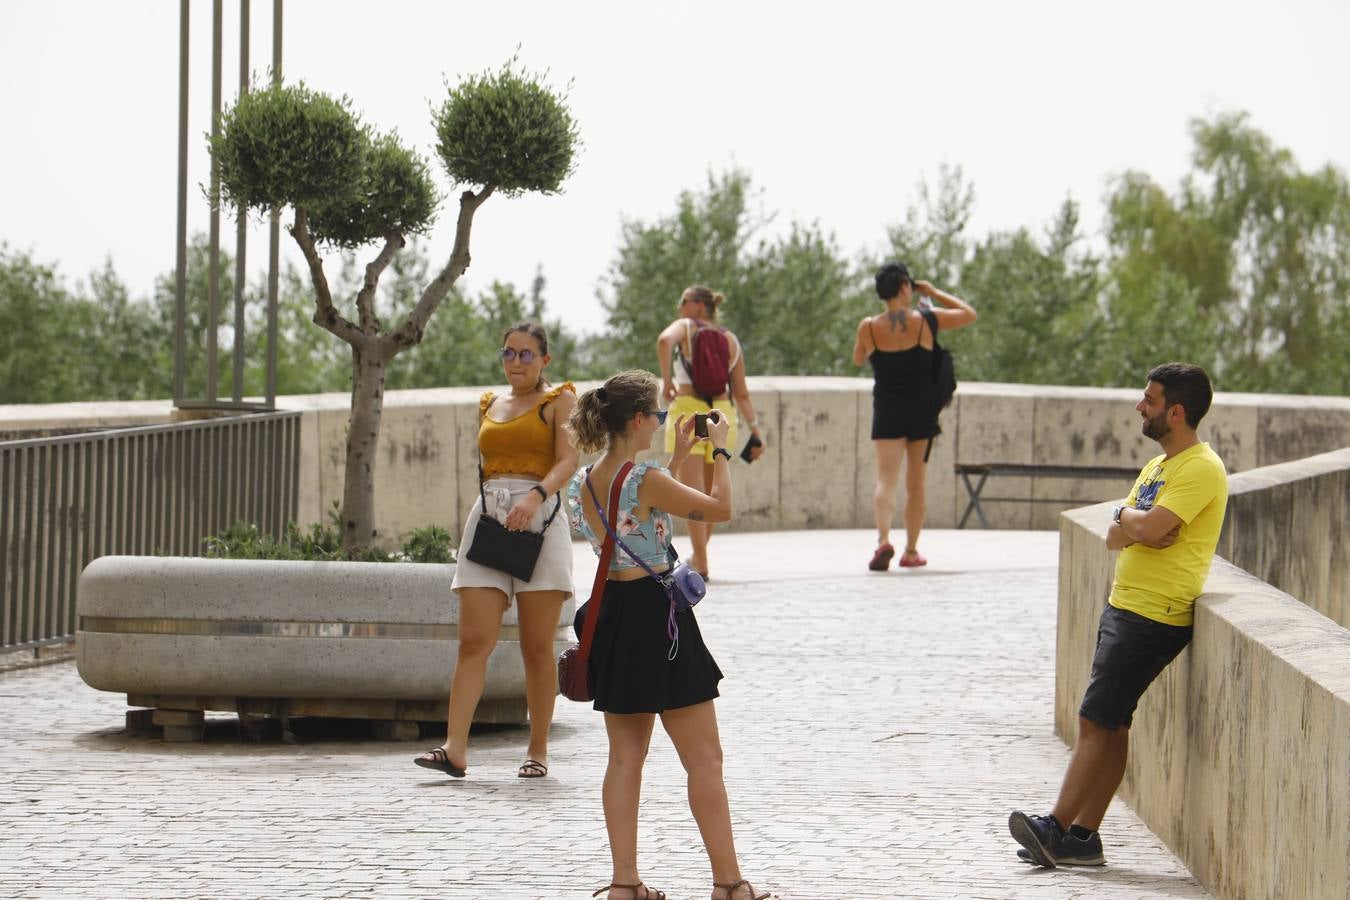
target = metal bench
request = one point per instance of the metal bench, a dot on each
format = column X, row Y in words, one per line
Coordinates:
column 1031, row 470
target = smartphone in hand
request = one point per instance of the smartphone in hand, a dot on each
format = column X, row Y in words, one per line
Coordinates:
column 750, row 446
column 701, row 422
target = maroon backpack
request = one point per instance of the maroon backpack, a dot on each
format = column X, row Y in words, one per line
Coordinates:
column 709, row 366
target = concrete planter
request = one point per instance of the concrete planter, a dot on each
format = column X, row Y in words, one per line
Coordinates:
column 180, row 636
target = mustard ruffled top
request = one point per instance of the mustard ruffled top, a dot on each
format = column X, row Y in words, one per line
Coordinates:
column 523, row 445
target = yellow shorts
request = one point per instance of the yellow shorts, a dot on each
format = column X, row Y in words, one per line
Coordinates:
column 686, row 406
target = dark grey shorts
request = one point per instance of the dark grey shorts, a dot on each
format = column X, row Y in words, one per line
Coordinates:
column 1132, row 650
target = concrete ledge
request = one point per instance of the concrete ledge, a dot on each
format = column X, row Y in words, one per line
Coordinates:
column 1286, row 525
column 425, row 469
column 1240, row 752
column 225, row 632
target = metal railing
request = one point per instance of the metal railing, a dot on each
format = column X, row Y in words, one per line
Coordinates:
column 157, row 490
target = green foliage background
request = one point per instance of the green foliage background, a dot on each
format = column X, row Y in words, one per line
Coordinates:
column 1244, row 267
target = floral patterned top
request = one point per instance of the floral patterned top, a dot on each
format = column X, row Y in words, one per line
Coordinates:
column 649, row 538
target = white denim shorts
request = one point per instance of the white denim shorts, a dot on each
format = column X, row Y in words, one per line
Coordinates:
column 553, row 571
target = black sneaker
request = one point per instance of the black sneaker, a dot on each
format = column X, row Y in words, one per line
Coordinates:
column 1074, row 851
column 1039, row 834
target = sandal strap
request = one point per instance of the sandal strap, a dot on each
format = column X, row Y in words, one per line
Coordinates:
column 744, row 882
column 650, row 895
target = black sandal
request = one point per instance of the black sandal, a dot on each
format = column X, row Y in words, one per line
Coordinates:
column 732, row 888
column 649, row 895
column 532, row 768
column 439, row 760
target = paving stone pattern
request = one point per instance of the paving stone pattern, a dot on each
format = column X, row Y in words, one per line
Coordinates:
column 877, row 730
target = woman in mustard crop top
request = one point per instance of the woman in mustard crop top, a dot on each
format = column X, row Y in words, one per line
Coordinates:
column 527, row 457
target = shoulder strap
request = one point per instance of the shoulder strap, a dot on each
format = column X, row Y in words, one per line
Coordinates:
column 931, row 319
column 483, row 403
column 606, row 556
column 679, row 349
column 872, row 334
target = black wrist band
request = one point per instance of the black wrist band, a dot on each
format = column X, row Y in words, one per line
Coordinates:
column 540, row 488
column 723, row 451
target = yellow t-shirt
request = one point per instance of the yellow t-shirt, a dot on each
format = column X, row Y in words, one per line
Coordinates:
column 1162, row 584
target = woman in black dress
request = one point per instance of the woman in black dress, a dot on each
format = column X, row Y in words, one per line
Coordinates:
column 899, row 344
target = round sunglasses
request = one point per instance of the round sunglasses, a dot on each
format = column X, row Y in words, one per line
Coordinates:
column 526, row 356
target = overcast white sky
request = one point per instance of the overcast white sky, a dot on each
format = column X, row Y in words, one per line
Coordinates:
column 836, row 109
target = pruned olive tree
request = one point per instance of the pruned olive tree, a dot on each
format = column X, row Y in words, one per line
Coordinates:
column 287, row 146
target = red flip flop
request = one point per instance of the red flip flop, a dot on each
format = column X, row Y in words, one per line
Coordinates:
column 913, row 561
column 881, row 560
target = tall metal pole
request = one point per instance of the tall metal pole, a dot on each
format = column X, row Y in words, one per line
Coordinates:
column 274, row 237
column 180, row 283
column 213, row 279
column 241, row 228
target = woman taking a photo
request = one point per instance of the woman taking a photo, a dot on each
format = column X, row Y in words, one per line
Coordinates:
column 702, row 369
column 899, row 344
column 635, row 673
column 527, row 457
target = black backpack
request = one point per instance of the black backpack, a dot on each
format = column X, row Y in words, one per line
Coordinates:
column 944, row 373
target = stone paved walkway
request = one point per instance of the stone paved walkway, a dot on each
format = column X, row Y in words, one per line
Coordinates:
column 878, row 729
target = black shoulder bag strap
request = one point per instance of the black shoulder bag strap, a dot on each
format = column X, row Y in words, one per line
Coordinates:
column 931, row 319
column 482, row 495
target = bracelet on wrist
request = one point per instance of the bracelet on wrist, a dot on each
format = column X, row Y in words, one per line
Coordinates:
column 540, row 488
column 721, row 451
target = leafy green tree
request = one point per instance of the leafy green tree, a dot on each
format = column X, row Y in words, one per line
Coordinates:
column 702, row 242
column 792, row 312
column 1037, row 298
column 1245, row 265
column 59, row 345
column 289, row 146
column 787, row 299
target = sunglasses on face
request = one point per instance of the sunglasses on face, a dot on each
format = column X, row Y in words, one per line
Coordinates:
column 510, row 353
column 660, row 415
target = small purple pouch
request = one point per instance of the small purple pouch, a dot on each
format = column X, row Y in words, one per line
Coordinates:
column 686, row 586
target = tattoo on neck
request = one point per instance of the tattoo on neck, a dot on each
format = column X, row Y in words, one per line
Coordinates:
column 898, row 319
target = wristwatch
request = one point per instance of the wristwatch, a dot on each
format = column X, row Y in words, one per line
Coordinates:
column 1115, row 514
column 722, row 451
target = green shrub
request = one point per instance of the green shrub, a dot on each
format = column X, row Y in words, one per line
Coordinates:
column 323, row 543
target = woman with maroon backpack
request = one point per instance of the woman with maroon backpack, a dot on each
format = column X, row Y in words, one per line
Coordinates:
column 703, row 370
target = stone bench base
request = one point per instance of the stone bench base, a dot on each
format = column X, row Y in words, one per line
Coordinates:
column 270, row 639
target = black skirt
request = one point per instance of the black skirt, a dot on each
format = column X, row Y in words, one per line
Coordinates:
column 630, row 668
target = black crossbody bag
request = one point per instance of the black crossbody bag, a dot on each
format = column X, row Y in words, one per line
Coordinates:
column 498, row 547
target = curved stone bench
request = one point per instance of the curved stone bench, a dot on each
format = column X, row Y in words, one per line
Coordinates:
column 269, row 638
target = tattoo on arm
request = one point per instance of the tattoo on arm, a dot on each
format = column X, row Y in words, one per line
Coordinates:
column 695, row 516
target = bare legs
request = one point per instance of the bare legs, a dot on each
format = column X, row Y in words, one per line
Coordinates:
column 693, row 731
column 697, row 472
column 480, row 623
column 538, row 613
column 890, row 454
column 916, row 504
column 629, row 738
column 1095, row 771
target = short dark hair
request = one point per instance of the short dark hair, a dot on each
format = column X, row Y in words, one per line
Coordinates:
column 1186, row 384
column 890, row 278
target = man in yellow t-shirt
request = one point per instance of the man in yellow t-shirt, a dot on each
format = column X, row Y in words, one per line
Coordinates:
column 1166, row 530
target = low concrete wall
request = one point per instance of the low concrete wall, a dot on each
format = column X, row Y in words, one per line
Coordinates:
column 1286, row 525
column 819, row 470
column 219, row 630
column 1240, row 752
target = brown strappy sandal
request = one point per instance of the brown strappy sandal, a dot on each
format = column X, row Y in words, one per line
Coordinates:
column 732, row 888
column 649, row 895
